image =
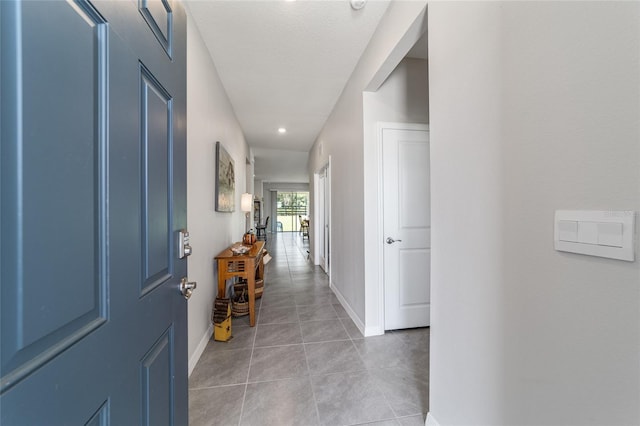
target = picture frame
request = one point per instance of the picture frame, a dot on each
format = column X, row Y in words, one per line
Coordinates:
column 225, row 193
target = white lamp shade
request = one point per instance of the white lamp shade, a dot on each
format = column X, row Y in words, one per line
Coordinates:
column 246, row 202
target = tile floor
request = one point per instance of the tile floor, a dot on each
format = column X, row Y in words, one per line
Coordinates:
column 305, row 362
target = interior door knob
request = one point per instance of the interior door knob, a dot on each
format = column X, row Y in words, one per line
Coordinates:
column 391, row 240
column 186, row 288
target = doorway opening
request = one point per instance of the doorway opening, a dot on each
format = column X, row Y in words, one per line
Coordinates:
column 291, row 209
column 322, row 214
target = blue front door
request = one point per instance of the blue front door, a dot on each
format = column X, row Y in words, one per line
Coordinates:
column 93, row 180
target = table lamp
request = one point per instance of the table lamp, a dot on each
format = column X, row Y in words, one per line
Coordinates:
column 246, row 205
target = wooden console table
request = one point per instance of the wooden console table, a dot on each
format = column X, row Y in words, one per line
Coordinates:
column 249, row 266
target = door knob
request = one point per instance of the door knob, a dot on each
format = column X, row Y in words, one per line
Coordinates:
column 186, row 288
column 391, row 240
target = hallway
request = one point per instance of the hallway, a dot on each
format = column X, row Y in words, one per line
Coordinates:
column 305, row 362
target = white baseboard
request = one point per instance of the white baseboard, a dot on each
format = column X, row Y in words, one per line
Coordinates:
column 373, row 331
column 431, row 421
column 366, row 331
column 200, row 349
column 347, row 308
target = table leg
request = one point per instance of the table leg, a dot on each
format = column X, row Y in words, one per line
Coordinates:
column 222, row 278
column 251, row 283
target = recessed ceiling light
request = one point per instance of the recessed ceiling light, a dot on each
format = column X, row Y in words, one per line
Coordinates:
column 282, row 130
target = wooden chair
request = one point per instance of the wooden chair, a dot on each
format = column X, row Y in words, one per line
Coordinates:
column 261, row 230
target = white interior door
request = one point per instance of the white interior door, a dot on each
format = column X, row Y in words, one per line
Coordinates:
column 407, row 228
column 322, row 228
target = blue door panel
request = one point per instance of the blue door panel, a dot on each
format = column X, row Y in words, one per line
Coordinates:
column 56, row 249
column 157, row 148
column 67, row 389
column 157, row 383
column 158, row 15
column 63, row 144
column 100, row 417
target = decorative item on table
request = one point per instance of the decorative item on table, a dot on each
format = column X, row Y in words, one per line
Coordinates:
column 249, row 238
column 240, row 249
column 221, row 318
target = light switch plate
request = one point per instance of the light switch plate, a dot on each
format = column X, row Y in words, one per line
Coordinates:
column 601, row 233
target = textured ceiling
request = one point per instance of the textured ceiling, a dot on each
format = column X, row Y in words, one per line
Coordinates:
column 284, row 63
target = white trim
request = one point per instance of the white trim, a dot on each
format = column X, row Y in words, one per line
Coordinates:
column 318, row 228
column 200, row 349
column 316, row 215
column 373, row 331
column 354, row 317
column 431, row 421
column 328, row 208
column 379, row 231
column 400, row 50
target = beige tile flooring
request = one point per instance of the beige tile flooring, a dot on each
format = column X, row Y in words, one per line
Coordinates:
column 305, row 362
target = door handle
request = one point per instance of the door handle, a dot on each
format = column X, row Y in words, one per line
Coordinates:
column 391, row 240
column 186, row 288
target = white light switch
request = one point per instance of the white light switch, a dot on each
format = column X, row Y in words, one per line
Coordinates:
column 596, row 233
column 610, row 234
column 587, row 232
column 568, row 230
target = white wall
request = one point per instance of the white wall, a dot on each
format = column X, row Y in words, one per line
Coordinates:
column 534, row 107
column 257, row 189
column 342, row 138
column 210, row 118
column 402, row 98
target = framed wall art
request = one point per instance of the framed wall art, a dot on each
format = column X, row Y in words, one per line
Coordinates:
column 225, row 180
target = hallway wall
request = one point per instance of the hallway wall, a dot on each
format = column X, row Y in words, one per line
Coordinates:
column 342, row 138
column 534, row 107
column 210, row 118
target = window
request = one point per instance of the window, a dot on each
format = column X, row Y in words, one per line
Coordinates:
column 290, row 206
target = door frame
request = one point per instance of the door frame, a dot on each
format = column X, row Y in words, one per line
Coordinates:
column 379, row 230
column 318, row 217
column 318, row 229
